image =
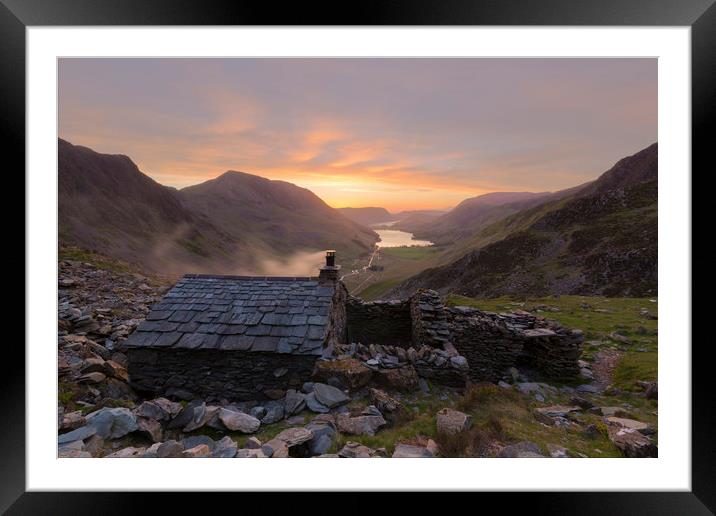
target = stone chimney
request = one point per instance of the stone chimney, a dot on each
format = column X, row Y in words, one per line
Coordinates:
column 329, row 272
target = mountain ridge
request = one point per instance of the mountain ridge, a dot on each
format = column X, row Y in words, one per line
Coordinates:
column 600, row 239
column 108, row 205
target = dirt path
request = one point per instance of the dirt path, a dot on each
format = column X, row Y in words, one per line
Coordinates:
column 604, row 364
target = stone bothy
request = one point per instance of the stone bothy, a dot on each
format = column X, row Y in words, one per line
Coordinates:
column 236, row 337
column 245, row 337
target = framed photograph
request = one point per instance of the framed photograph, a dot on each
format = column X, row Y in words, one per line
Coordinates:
column 455, row 232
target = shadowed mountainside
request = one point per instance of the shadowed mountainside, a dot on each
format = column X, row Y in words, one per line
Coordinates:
column 229, row 224
column 281, row 215
column 600, row 239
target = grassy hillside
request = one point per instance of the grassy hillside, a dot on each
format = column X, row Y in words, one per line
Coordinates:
column 601, row 240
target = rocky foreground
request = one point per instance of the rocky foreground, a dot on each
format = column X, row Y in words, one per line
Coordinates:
column 369, row 402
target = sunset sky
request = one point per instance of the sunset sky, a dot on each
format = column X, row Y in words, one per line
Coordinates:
column 397, row 133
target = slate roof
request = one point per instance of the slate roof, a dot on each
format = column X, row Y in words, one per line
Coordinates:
column 247, row 313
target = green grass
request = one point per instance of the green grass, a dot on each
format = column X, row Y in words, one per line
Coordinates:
column 602, row 317
column 100, row 261
column 410, row 253
column 634, row 367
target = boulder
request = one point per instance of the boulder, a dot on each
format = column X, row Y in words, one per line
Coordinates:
column 250, row 453
column 407, row 451
column 392, row 409
column 79, row 434
column 238, row 421
column 198, row 451
column 72, row 420
column 160, row 409
column 353, row 450
column 451, row 421
column 186, row 414
column 127, row 453
column 94, row 445
column 524, row 449
column 351, row 373
column 275, row 448
column 112, row 423
column 631, row 442
column 69, row 453
column 195, row 440
column 328, row 395
column 633, row 424
column 295, row 436
column 201, row 416
column 95, row 377
column 557, row 410
column 324, row 434
column 258, row 412
column 169, row 449
column 403, row 379
column 224, row 448
column 151, row 428
column 294, row 402
column 274, row 412
column 252, row 443
column 360, row 425
column 151, row 410
column 314, row 405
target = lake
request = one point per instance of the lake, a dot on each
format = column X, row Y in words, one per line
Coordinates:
column 395, row 238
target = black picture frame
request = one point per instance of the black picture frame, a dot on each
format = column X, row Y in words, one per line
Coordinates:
column 700, row 15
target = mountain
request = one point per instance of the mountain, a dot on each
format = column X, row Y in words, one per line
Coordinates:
column 235, row 223
column 471, row 216
column 367, row 216
column 106, row 204
column 281, row 216
column 599, row 239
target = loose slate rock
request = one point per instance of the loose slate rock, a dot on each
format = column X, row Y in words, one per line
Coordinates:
column 198, row 451
column 295, row 436
column 224, row 449
column 294, row 402
column 360, row 425
column 274, row 412
column 170, row 449
column 450, row 422
column 196, row 440
column 314, row 405
column 406, row 451
column 353, row 450
column 77, row 435
column 112, row 423
column 328, row 395
column 524, row 449
column 238, row 421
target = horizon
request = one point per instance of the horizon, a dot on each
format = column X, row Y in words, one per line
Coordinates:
column 398, row 133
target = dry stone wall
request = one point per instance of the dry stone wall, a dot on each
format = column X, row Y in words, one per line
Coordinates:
column 379, row 322
column 430, row 325
column 493, row 342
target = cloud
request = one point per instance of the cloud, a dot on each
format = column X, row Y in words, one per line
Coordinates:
column 409, row 133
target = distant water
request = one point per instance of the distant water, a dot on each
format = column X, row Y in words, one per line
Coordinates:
column 395, row 238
